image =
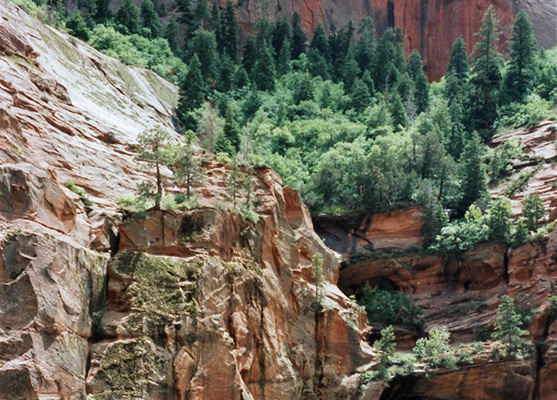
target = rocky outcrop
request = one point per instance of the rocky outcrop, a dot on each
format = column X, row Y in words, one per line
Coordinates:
column 201, row 304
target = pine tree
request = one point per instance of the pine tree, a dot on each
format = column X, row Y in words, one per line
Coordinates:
column 76, row 26
column 128, row 16
column 386, row 60
column 216, row 25
column 186, row 167
column 350, row 71
column 204, row 45
column 236, row 180
column 230, row 37
column 265, row 70
column 281, row 32
column 508, row 330
column 473, row 181
column 103, row 10
column 520, row 236
column 152, row 151
column 319, row 43
column 386, row 348
column 249, row 57
column 533, row 210
column 226, row 75
column 187, row 17
column 283, row 57
column 486, row 75
column 202, row 13
column 150, row 18
column 361, row 99
column 363, row 51
column 398, row 113
column 231, row 129
column 193, row 90
column 519, row 76
column 171, row 33
column 458, row 62
column 317, row 65
column 421, row 93
column 499, row 222
column 61, row 12
column 299, row 39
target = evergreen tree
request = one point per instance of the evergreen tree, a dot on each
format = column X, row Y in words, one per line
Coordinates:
column 283, row 58
column 361, row 99
column 386, row 61
column 226, row 74
column 236, row 180
column 421, row 93
column 249, row 58
column 533, row 210
column 187, row 17
column 508, row 330
column 103, row 10
column 241, row 78
column 520, row 236
column 186, row 167
column 317, row 65
column 171, row 33
column 152, row 151
column 486, row 75
column 204, row 45
column 202, row 13
column 458, row 62
column 319, row 43
column 76, row 26
column 386, row 348
column 499, row 220
column 150, row 18
column 350, row 72
column 230, row 37
column 265, row 70
column 281, row 32
column 193, row 90
column 340, row 47
column 299, row 39
column 217, row 26
column 521, row 64
column 231, row 130
column 398, row 113
column 473, row 181
column 363, row 52
column 61, row 11
column 128, row 16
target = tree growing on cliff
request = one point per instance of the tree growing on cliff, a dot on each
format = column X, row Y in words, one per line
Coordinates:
column 386, row 348
column 486, row 75
column 499, row 221
column 236, row 180
column 533, row 210
column 473, row 186
column 152, row 150
column 520, row 68
column 508, row 330
column 186, row 167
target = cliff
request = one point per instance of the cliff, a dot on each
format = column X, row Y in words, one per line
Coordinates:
column 189, row 305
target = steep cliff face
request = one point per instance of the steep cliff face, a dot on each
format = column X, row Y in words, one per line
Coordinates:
column 429, row 26
column 188, row 305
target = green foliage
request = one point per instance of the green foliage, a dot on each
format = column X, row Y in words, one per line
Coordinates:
column 386, row 347
column 299, row 39
column 128, row 17
column 486, row 75
column 463, row 235
column 533, row 210
column 473, row 185
column 193, row 89
column 184, row 164
column 150, row 18
column 79, row 191
column 435, row 350
column 389, row 307
column 264, row 74
column 499, row 222
column 508, row 330
column 521, row 235
column 76, row 26
column 500, row 159
column 171, row 33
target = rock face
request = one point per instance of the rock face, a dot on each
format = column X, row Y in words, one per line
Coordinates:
column 428, row 26
column 201, row 304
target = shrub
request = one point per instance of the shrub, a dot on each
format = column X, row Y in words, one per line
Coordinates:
column 389, row 307
column 509, row 332
column 464, row 235
column 499, row 220
column 435, row 350
column 533, row 210
column 79, row 191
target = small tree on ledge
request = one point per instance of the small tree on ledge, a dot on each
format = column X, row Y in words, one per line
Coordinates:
column 152, row 150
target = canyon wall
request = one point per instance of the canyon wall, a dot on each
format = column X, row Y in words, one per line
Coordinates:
column 99, row 304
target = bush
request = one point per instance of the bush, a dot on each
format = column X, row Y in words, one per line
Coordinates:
column 435, row 350
column 389, row 307
column 509, row 332
column 529, row 114
column 464, row 235
column 79, row 191
column 533, row 210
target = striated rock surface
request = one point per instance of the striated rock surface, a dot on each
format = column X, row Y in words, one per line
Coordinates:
column 188, row 305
